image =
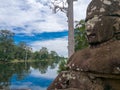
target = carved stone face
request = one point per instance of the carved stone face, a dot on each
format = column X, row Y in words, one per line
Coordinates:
column 99, row 29
column 100, row 20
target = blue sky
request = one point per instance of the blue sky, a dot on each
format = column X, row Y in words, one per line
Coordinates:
column 34, row 22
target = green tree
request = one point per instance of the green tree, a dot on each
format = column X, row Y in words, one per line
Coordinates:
column 41, row 54
column 36, row 55
column 80, row 41
column 22, row 51
column 44, row 53
column 62, row 65
column 53, row 55
column 6, row 45
column 80, row 36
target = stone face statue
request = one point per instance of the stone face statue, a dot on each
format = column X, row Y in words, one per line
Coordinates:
column 98, row 66
column 102, row 15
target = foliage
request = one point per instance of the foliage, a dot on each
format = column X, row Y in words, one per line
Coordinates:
column 21, row 51
column 44, row 54
column 6, row 45
column 80, row 41
column 80, row 37
column 62, row 65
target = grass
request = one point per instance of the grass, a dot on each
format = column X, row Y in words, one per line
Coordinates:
column 17, row 61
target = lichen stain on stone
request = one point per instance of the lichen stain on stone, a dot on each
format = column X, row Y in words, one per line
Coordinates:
column 77, row 69
column 60, row 79
column 107, row 2
column 117, row 70
column 63, row 75
column 94, row 8
column 73, row 65
column 101, row 24
column 92, row 21
column 102, row 10
column 99, row 20
column 89, row 13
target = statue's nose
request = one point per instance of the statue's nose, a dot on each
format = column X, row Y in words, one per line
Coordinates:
column 88, row 31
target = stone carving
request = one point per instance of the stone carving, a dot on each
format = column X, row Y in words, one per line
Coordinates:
column 98, row 66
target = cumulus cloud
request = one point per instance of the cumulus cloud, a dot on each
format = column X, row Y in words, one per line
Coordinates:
column 80, row 7
column 50, row 74
column 59, row 45
column 35, row 15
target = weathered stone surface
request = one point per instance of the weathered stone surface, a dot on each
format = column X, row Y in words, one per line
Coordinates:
column 72, row 80
column 103, row 8
column 102, row 59
column 98, row 66
column 91, row 70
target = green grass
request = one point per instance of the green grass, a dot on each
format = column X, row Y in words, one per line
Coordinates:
column 17, row 61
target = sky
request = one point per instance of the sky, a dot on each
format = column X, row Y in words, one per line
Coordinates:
column 34, row 22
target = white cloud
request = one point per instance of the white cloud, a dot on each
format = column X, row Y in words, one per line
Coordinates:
column 37, row 16
column 80, row 7
column 50, row 74
column 58, row 45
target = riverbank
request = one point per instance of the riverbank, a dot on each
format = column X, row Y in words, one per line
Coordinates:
column 20, row 61
column 17, row 61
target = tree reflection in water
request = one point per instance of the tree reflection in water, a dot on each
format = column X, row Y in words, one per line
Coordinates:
column 7, row 70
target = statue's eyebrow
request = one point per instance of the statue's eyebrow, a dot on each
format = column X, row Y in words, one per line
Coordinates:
column 88, row 19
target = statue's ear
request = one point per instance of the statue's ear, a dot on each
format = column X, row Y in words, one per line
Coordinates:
column 116, row 26
column 117, row 29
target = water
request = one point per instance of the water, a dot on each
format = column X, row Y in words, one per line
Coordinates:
column 29, row 76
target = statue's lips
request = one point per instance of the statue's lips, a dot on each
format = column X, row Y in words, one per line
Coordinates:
column 91, row 36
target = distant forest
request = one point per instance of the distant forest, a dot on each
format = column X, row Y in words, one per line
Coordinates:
column 21, row 51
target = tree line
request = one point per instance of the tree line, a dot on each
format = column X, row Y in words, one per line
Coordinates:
column 21, row 51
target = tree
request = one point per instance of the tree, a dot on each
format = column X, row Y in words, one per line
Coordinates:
column 80, row 42
column 23, row 51
column 53, row 54
column 69, row 11
column 20, row 51
column 6, row 45
column 62, row 65
column 43, row 53
column 36, row 55
column 80, row 36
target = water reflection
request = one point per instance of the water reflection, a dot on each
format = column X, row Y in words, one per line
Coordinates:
column 33, row 76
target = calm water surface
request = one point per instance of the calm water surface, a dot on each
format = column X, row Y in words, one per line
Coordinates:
column 32, row 76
